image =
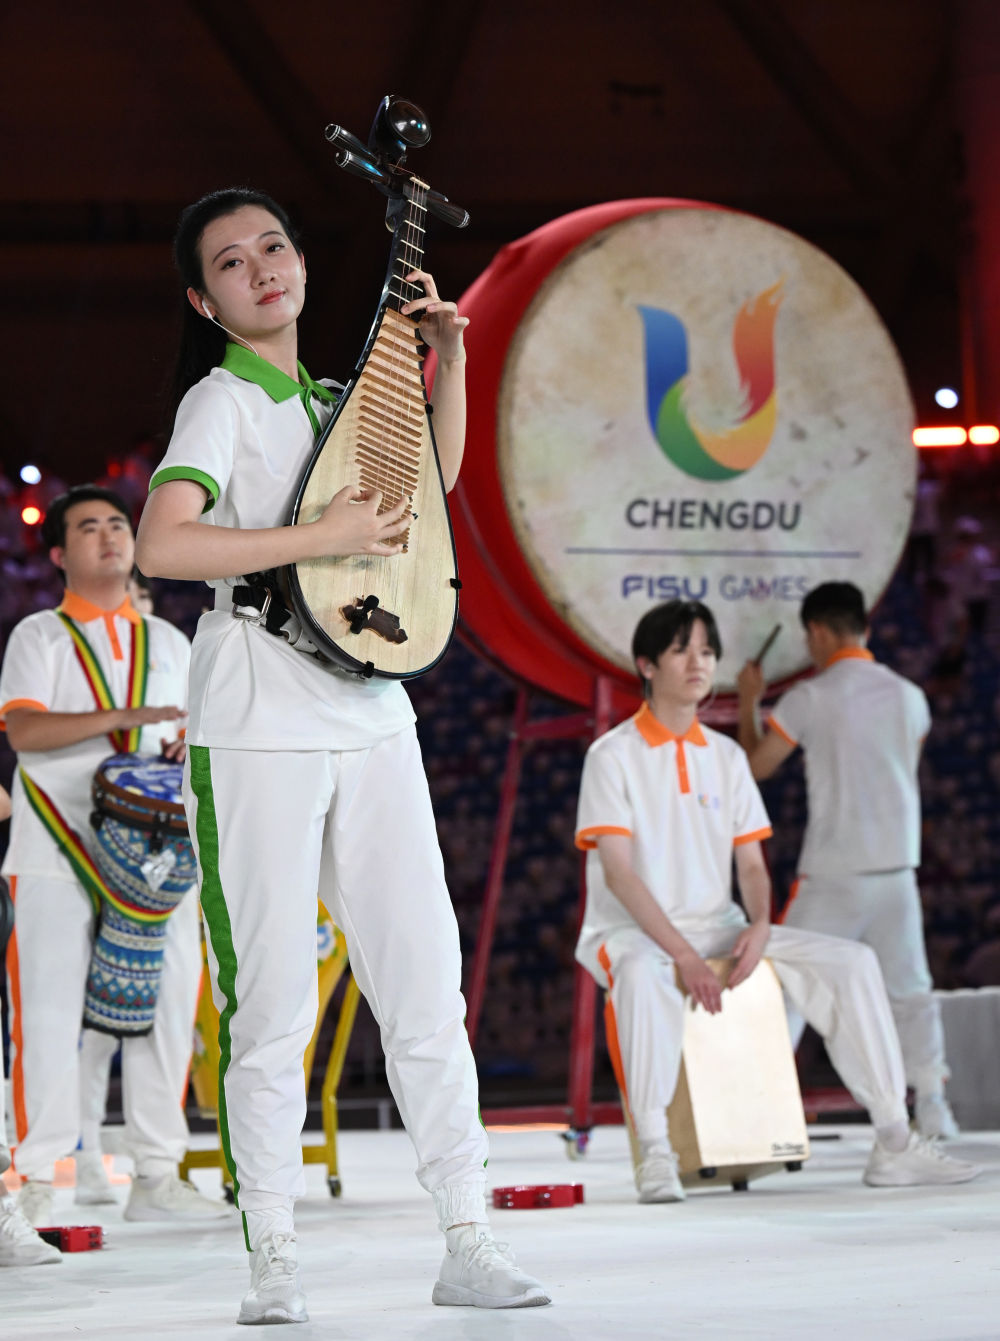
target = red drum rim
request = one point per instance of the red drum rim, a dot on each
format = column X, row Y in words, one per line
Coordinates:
column 504, row 613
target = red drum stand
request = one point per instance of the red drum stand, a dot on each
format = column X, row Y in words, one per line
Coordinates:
column 578, row 1112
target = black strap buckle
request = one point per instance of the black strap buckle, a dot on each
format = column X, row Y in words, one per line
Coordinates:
column 259, row 592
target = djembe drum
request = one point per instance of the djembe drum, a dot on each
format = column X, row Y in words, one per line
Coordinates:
column 144, row 855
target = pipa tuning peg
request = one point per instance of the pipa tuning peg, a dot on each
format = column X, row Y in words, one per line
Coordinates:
column 399, row 125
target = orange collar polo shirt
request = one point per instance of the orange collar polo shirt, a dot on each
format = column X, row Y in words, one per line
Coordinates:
column 685, row 802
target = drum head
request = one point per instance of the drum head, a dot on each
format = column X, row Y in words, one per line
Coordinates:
column 697, row 404
column 141, row 789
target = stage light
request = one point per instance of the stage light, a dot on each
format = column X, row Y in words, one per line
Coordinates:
column 984, row 435
column 939, row 437
column 31, row 474
column 946, row 397
column 31, row 515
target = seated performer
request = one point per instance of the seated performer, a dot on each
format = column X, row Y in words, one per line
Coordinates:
column 71, row 679
column 861, row 727
column 297, row 772
column 664, row 804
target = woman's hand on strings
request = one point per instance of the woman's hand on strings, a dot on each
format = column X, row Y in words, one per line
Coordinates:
column 352, row 524
column 440, row 325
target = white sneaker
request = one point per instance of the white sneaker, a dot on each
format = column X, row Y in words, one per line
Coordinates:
column 922, row 1161
column 481, row 1273
column 657, row 1177
column 935, row 1118
column 170, row 1198
column 275, row 1294
column 93, row 1188
column 19, row 1244
column 35, row 1202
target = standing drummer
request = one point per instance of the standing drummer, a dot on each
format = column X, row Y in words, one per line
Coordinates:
column 861, row 727
column 51, row 714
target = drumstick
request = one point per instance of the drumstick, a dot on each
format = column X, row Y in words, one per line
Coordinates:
column 767, row 644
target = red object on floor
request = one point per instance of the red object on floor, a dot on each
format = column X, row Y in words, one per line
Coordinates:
column 73, row 1238
column 537, row 1196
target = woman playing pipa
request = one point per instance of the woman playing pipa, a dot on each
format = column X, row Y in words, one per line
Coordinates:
column 302, row 776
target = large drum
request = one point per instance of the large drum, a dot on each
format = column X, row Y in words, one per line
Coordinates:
column 144, row 855
column 670, row 399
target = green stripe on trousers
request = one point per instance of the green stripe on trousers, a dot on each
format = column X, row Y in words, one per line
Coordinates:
column 220, row 930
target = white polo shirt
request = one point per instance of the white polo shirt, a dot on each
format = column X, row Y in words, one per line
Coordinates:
column 41, row 670
column 861, row 726
column 685, row 802
column 246, row 433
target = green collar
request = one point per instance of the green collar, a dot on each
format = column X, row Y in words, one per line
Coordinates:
column 279, row 386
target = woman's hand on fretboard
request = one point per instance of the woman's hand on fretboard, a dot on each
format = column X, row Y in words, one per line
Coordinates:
column 440, row 325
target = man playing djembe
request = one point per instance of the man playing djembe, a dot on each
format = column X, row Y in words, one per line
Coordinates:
column 665, row 803
column 76, row 683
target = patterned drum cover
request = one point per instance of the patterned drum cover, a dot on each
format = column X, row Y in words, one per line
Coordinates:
column 142, row 850
column 690, row 403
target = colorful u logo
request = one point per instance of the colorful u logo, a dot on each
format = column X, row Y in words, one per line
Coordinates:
column 696, row 450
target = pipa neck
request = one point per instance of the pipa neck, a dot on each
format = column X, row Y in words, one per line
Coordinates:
column 407, row 246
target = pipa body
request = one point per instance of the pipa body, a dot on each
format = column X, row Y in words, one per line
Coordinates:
column 388, row 617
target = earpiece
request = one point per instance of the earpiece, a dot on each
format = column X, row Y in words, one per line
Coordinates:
column 216, row 320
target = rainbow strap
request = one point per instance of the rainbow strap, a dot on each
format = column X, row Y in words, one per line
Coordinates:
column 124, row 742
column 69, row 844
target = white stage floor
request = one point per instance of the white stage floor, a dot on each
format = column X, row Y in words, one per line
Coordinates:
column 809, row 1255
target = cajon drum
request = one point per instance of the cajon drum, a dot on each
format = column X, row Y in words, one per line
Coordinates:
column 737, row 1111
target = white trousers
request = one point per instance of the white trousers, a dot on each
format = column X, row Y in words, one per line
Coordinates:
column 3, row 1105
column 97, row 1052
column 883, row 910
column 835, row 984
column 271, row 830
column 47, row 963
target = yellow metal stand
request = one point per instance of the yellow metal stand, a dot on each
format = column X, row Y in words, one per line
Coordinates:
column 331, row 959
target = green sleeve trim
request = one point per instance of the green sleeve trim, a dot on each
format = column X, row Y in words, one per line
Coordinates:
column 188, row 473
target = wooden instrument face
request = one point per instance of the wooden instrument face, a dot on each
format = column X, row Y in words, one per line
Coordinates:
column 397, row 614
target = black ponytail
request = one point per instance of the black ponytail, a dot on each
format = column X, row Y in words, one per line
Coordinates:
column 202, row 343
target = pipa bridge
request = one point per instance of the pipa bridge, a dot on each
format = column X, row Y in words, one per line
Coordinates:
column 367, row 615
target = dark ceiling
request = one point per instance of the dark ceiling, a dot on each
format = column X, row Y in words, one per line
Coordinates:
column 833, row 118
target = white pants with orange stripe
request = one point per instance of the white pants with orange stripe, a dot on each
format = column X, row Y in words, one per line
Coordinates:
column 882, row 909
column 835, row 984
column 272, row 829
column 47, row 962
